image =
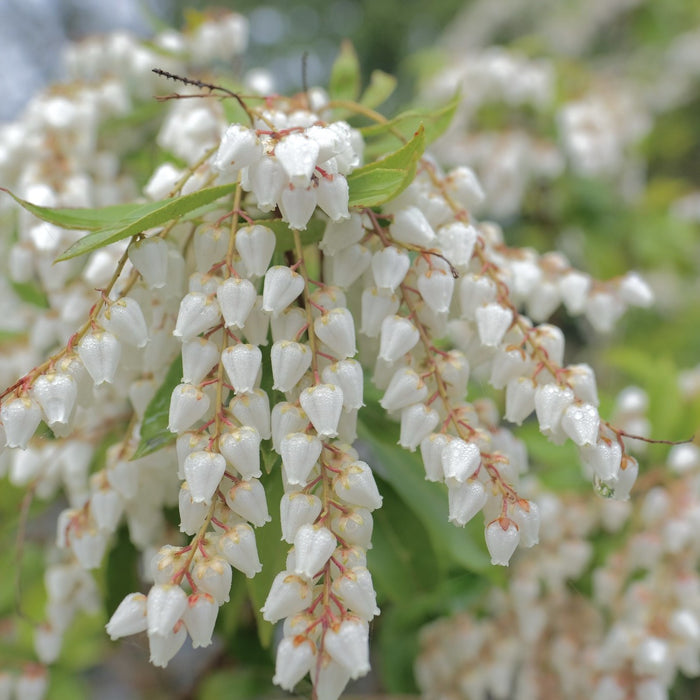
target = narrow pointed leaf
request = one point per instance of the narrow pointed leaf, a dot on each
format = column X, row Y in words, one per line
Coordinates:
column 345, row 74
column 381, row 87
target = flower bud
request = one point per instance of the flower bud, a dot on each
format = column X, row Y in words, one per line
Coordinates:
column 129, row 617
column 336, row 329
column 411, row 227
column 376, row 305
column 354, row 527
column 346, row 374
column 199, row 355
column 298, row 156
column 436, row 287
column 187, row 405
column 398, row 336
column 213, row 575
column 348, row 645
column 313, row 547
column 100, row 352
column 502, row 537
column 299, row 452
column 580, row 422
column 460, row 460
column 417, row 422
column 341, row 234
column 297, row 509
column 20, row 417
column 295, row 657
column 255, row 244
column 198, row 313
column 150, row 258
column 253, row 409
column 355, row 588
column 431, row 449
column 492, row 322
column 192, row 513
column 465, row 500
column 389, row 267
column 346, row 267
column 405, row 388
column 165, row 605
column 297, row 204
column 333, row 193
column 125, row 320
column 520, row 399
column 241, row 448
column 355, row 484
column 236, row 299
column 238, row 547
column 281, row 287
column 200, row 617
column 242, row 363
column 551, row 400
column 204, row 471
column 290, row 360
column 286, row 418
column 239, row 148
column 322, row 404
column 289, row 594
column 247, row 499
column 163, row 647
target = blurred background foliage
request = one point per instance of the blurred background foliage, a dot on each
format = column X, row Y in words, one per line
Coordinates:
column 423, row 567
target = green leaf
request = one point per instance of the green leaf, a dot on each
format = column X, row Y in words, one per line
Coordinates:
column 344, row 82
column 114, row 223
column 285, row 238
column 121, row 575
column 380, row 88
column 384, row 179
column 236, row 684
column 380, row 137
column 154, row 427
column 31, row 293
column 273, row 554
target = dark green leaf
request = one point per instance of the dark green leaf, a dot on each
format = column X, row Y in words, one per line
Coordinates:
column 154, row 427
column 344, row 82
column 381, row 86
column 382, row 180
column 122, row 575
column 285, row 238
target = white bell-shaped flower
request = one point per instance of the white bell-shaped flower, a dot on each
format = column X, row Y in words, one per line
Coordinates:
column 150, row 258
column 411, row 227
column 125, row 320
column 297, row 509
column 239, row 548
column 626, row 477
column 347, row 374
column 436, row 287
column 551, row 339
column 188, row 442
column 356, row 485
column 492, row 322
column 289, row 325
column 417, row 422
column 199, row 355
column 295, row 657
column 336, row 328
column 635, row 291
column 242, row 363
column 398, row 336
column 573, row 290
column 348, row 645
column 520, row 399
column 460, row 460
column 323, row 404
column 286, row 418
column 465, row 500
column 354, row 527
column 188, row 404
column 581, row 377
column 247, row 499
column 543, row 300
column 129, row 618
column 376, row 305
column 100, row 351
column 107, row 507
column 204, row 471
column 202, row 283
column 508, row 365
column 551, row 400
column 527, row 518
column 313, row 547
column 266, row 179
column 299, row 452
column 332, row 193
column 580, row 421
column 289, row 594
column 56, row 393
column 253, row 409
column 200, row 617
column 431, row 448
column 297, row 204
column 344, row 268
column 341, row 234
column 241, row 448
column 213, row 575
column 255, row 244
column 405, row 388
column 456, row 240
column 210, row 245
column 330, row 680
column 502, row 538
column 239, row 147
column 289, row 360
column 198, row 313
column 165, row 605
column 298, row 156
column 236, row 298
column 192, row 513
column 163, row 647
column 475, row 291
column 282, row 286
column 355, row 588
column 257, row 324
column 389, row 267
column 464, row 186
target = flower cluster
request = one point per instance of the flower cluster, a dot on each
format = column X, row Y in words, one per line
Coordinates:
column 272, row 260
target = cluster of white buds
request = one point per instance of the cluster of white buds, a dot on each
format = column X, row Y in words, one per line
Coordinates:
column 641, row 626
